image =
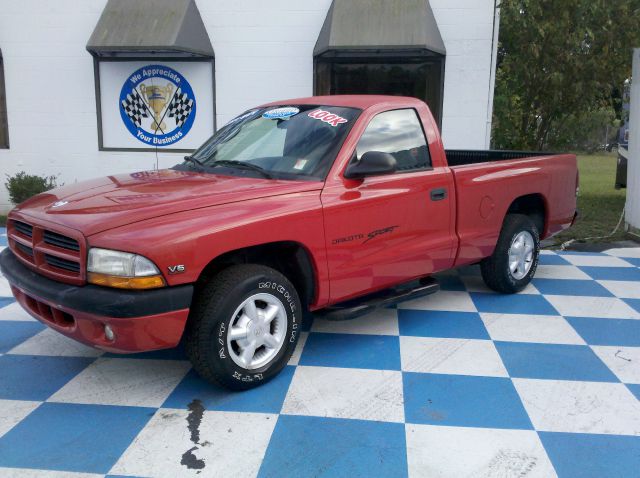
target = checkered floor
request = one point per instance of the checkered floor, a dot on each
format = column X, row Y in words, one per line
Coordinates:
column 461, row 383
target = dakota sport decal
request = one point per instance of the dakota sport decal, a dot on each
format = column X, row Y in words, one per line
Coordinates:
column 367, row 238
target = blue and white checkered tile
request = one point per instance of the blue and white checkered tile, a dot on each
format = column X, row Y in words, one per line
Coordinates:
column 464, row 382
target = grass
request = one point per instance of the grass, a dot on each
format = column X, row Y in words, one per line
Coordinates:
column 3, row 220
column 599, row 203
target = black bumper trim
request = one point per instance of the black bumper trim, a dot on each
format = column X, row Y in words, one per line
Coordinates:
column 94, row 299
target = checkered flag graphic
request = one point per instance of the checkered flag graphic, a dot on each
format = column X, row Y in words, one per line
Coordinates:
column 180, row 107
column 135, row 108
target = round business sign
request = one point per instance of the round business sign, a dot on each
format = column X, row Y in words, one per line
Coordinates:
column 157, row 105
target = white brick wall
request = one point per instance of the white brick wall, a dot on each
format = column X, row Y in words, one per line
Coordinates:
column 263, row 53
column 466, row 27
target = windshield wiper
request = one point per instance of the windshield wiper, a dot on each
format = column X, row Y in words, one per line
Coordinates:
column 242, row 165
column 195, row 161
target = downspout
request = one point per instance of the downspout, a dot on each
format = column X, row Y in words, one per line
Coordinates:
column 492, row 80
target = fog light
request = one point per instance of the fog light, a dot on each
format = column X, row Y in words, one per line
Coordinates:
column 108, row 333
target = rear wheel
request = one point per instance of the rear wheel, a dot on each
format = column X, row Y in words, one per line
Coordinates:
column 243, row 327
column 515, row 259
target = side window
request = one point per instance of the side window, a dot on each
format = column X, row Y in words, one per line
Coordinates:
column 399, row 133
column 4, row 129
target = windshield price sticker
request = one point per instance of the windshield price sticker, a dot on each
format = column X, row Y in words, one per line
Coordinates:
column 300, row 164
column 328, row 117
column 281, row 113
column 237, row 119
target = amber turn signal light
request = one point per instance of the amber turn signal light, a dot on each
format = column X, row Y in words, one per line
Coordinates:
column 119, row 282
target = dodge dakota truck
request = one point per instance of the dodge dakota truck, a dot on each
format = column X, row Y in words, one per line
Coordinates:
column 328, row 205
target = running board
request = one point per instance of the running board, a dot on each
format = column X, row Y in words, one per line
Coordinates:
column 355, row 308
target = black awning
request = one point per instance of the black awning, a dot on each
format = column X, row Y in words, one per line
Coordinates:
column 171, row 28
column 354, row 26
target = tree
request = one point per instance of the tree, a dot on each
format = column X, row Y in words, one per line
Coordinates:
column 559, row 61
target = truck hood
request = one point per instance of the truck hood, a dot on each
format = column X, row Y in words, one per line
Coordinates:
column 105, row 203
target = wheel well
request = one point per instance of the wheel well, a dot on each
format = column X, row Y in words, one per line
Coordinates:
column 289, row 258
column 532, row 205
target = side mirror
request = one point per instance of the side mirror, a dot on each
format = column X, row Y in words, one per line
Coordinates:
column 372, row 163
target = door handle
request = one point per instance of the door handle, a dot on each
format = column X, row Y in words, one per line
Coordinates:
column 438, row 194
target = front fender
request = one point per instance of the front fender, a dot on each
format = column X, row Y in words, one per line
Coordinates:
column 194, row 238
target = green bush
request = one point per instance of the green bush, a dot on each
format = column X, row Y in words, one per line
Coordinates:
column 22, row 186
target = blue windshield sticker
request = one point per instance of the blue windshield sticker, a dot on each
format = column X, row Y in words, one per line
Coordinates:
column 281, row 113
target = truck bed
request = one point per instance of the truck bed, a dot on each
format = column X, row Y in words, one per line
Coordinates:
column 461, row 157
column 487, row 182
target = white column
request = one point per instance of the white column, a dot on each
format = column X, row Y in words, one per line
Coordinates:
column 632, row 215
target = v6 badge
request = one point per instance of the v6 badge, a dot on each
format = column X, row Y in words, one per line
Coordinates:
column 177, row 269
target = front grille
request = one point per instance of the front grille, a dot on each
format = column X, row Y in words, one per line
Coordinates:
column 58, row 252
column 58, row 240
column 26, row 249
column 23, row 228
column 62, row 263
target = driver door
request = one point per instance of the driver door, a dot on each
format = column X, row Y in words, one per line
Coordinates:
column 388, row 229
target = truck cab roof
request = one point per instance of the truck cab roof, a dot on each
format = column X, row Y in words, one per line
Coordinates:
column 351, row 101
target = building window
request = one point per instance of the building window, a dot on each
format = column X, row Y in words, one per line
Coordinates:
column 154, row 86
column 381, row 47
column 421, row 78
column 4, row 126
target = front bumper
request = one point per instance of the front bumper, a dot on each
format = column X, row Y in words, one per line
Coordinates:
column 141, row 320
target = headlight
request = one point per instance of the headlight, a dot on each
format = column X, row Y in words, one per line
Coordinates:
column 122, row 269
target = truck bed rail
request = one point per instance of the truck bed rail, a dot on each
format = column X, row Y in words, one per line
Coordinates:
column 461, row 157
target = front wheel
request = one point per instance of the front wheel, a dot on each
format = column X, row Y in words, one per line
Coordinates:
column 515, row 259
column 243, row 327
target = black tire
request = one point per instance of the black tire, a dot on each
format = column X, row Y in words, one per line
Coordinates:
column 213, row 313
column 495, row 269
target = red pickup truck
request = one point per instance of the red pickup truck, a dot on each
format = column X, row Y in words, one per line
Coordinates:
column 333, row 205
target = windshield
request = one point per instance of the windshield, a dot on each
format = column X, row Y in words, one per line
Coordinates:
column 283, row 142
